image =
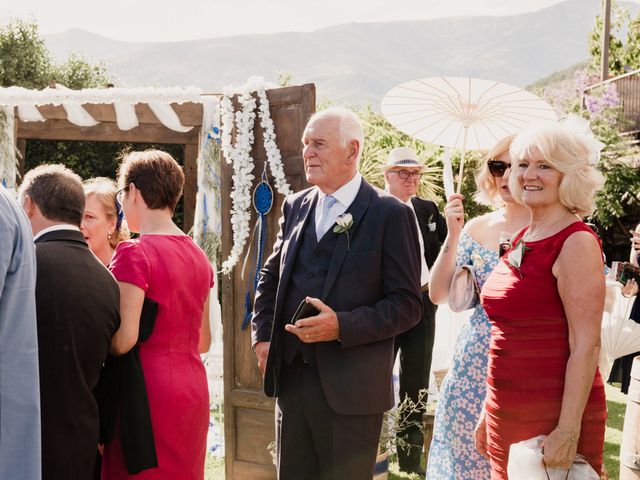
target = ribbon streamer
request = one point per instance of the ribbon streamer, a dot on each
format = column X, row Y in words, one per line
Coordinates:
column 262, row 203
column 447, row 174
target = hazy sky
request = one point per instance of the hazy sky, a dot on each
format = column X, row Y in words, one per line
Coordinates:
column 164, row 20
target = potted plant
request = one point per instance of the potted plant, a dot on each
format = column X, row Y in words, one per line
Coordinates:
column 394, row 422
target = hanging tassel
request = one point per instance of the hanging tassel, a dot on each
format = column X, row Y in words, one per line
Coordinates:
column 247, row 310
column 262, row 203
column 247, row 256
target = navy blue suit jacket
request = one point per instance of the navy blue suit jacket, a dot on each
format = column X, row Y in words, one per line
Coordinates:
column 373, row 284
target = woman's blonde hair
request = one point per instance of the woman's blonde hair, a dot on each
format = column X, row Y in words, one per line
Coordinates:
column 567, row 152
column 104, row 190
column 487, row 192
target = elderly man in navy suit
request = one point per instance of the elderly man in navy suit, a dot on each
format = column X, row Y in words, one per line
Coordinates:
column 402, row 174
column 352, row 252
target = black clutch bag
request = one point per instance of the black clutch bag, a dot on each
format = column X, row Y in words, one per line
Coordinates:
column 304, row 310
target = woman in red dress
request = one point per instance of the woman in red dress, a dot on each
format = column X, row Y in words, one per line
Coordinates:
column 164, row 265
column 545, row 300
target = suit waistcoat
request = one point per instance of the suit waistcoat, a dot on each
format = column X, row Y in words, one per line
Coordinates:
column 307, row 279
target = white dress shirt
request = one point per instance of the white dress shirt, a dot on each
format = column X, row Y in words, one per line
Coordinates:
column 53, row 228
column 345, row 196
column 424, row 269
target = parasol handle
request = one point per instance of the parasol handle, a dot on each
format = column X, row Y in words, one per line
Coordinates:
column 464, row 151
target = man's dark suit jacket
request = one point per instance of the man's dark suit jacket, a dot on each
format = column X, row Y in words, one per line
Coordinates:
column 77, row 303
column 373, row 284
column 433, row 227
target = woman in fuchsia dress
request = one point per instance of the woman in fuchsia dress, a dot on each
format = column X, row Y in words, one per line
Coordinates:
column 166, row 266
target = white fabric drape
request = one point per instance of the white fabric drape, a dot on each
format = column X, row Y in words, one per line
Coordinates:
column 168, row 117
column 76, row 114
column 14, row 96
column 123, row 100
column 126, row 117
column 29, row 113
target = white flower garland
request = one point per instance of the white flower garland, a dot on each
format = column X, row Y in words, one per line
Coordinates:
column 239, row 155
column 269, row 141
column 227, row 120
column 8, row 161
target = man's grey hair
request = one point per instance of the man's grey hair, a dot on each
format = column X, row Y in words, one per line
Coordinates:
column 57, row 191
column 350, row 125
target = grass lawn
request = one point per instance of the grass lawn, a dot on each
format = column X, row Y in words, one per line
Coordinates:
column 214, row 468
column 616, row 406
column 616, row 403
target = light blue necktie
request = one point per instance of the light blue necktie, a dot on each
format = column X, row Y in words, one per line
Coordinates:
column 326, row 218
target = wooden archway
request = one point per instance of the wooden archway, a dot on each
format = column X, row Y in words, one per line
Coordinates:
column 150, row 130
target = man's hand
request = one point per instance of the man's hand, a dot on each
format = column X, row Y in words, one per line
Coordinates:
column 262, row 351
column 323, row 327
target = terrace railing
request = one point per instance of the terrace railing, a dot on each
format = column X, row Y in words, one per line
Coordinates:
column 628, row 87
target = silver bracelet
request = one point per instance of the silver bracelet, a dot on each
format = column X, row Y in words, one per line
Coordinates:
column 566, row 435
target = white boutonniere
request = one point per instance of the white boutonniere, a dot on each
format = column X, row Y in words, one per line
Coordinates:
column 515, row 255
column 343, row 224
column 431, row 225
column 477, row 260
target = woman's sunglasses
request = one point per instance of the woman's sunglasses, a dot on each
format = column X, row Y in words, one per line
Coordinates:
column 497, row 167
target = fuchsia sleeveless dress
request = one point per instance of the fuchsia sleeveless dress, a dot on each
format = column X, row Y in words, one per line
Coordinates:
column 173, row 271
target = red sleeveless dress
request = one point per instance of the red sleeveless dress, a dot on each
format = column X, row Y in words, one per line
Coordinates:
column 528, row 356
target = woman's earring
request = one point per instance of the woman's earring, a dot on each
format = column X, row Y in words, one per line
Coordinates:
column 109, row 236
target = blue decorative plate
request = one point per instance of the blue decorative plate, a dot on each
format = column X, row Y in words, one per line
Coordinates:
column 263, row 198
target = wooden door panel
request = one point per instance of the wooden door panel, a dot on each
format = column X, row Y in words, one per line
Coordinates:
column 254, row 430
column 249, row 417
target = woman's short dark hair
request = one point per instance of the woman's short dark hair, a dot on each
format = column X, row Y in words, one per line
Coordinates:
column 155, row 174
column 57, row 191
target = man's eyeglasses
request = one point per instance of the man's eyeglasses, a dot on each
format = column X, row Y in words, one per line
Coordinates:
column 406, row 174
column 497, row 167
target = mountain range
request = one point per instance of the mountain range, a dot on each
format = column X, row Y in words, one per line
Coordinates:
column 356, row 63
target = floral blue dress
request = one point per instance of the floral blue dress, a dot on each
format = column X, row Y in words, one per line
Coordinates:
column 452, row 455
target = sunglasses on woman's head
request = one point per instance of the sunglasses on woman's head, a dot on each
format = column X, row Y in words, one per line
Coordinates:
column 497, row 167
column 120, row 194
